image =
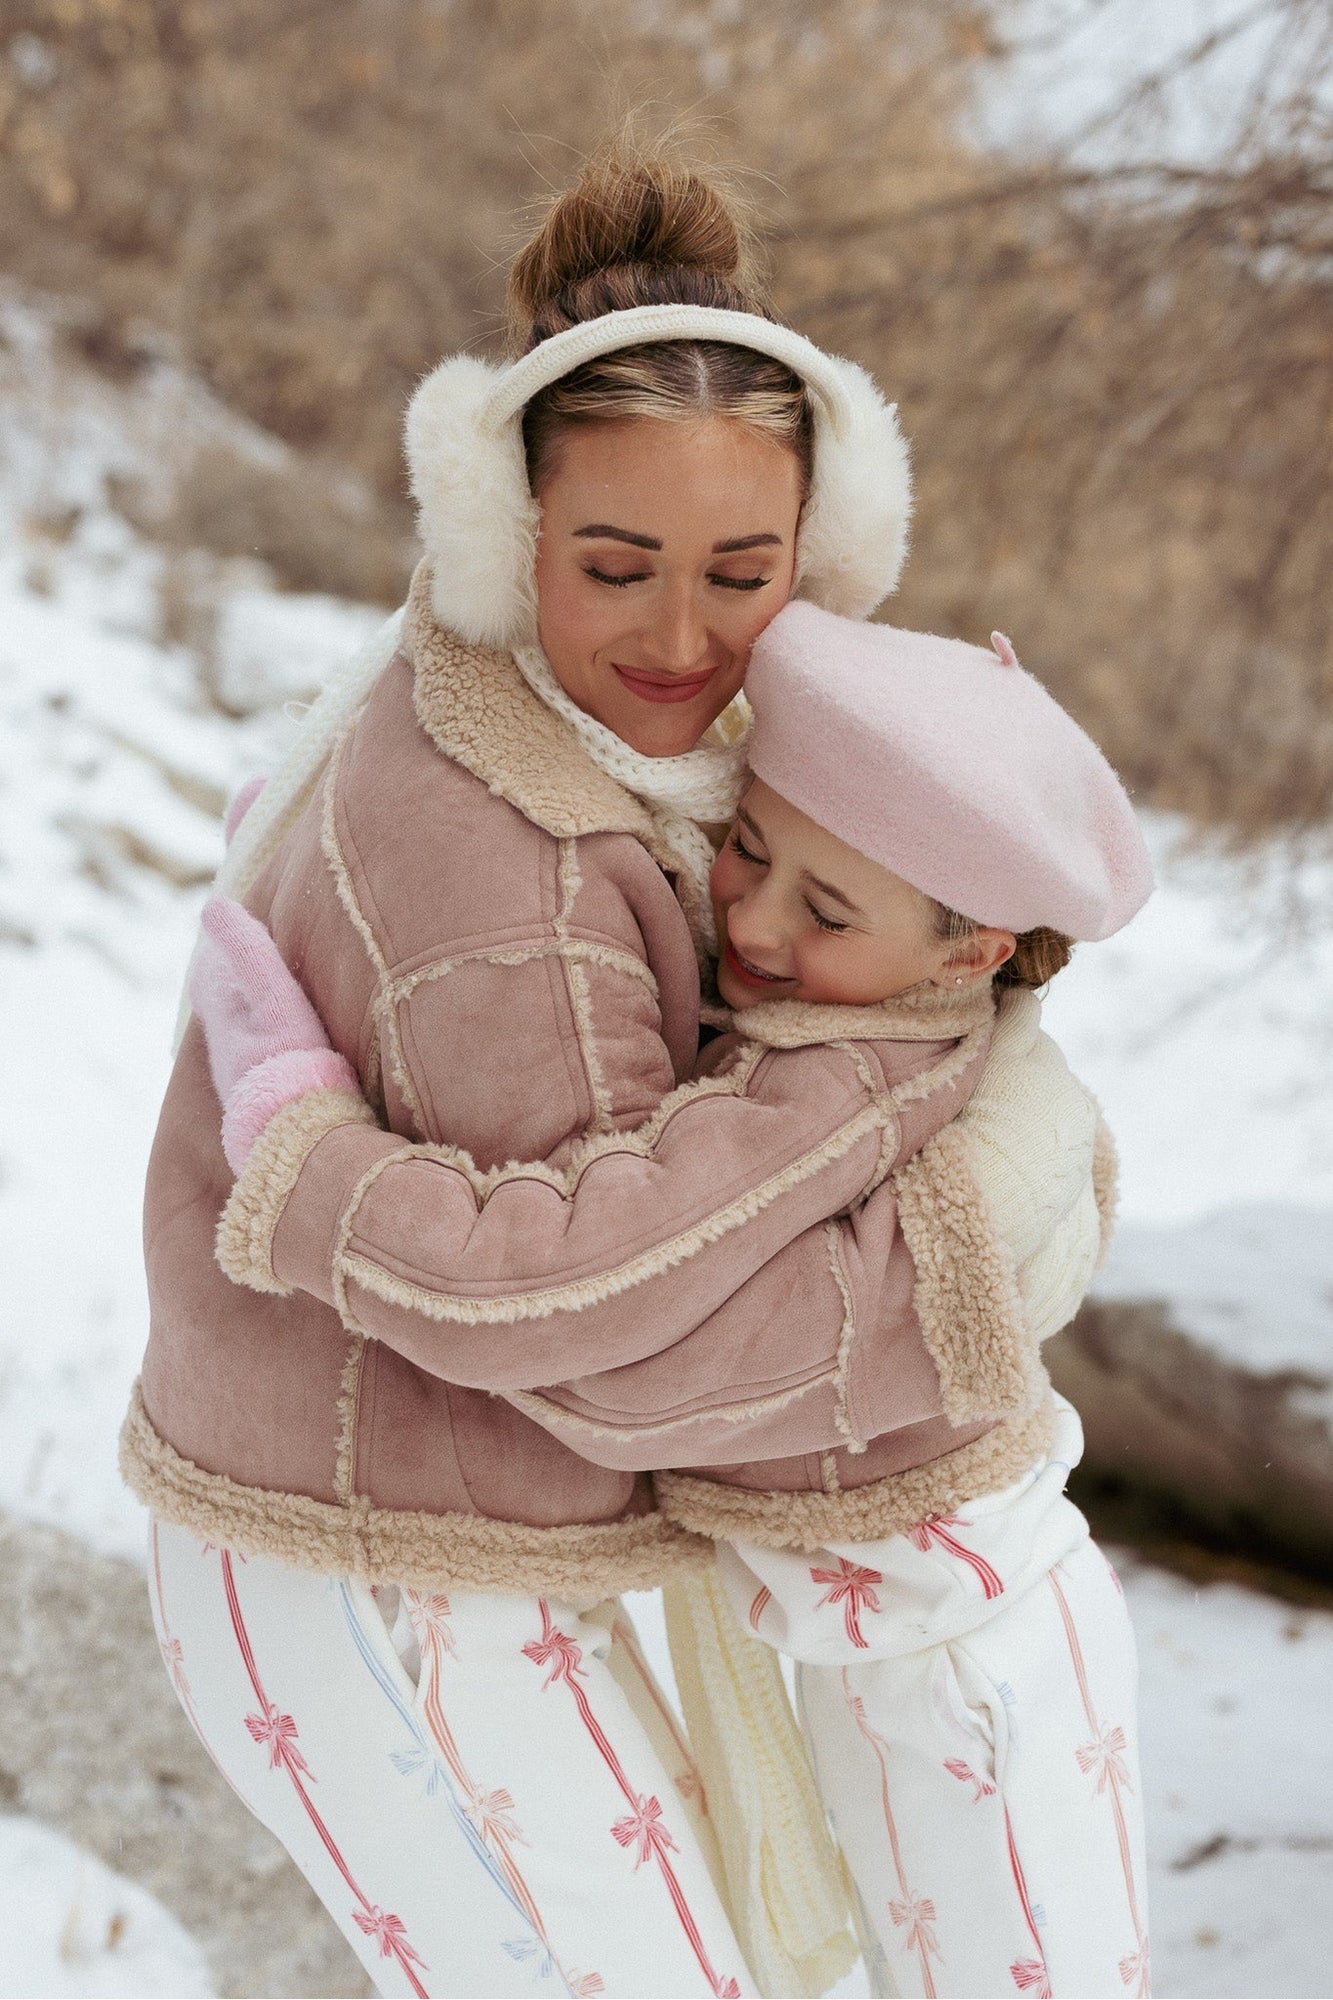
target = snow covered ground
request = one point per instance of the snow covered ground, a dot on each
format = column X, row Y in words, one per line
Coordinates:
column 84, row 1931
column 1206, row 1029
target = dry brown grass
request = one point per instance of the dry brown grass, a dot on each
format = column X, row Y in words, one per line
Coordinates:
column 317, row 528
column 1117, row 387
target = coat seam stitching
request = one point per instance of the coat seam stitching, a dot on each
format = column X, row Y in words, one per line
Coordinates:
column 578, row 1293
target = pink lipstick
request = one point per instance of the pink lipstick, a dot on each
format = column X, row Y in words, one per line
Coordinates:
column 662, row 687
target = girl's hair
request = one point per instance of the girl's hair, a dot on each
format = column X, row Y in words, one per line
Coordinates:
column 1038, row 954
column 640, row 229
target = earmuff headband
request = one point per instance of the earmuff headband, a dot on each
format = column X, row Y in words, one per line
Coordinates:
column 638, row 326
column 480, row 523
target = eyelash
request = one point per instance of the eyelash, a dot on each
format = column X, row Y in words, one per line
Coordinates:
column 641, row 576
column 737, row 846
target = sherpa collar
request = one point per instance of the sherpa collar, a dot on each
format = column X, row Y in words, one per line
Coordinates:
column 476, row 707
column 924, row 1013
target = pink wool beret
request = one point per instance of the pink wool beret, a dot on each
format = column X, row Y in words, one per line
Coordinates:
column 950, row 766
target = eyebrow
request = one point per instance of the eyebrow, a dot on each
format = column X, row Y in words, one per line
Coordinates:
column 601, row 531
column 826, row 887
column 837, row 895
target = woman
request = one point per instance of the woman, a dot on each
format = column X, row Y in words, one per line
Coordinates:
column 497, row 900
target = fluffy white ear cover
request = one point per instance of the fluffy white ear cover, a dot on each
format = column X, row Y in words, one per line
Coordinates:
column 854, row 531
column 478, row 520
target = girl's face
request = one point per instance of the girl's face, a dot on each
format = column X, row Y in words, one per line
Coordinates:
column 665, row 549
column 802, row 916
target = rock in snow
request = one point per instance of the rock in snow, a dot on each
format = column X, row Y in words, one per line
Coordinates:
column 1203, row 1368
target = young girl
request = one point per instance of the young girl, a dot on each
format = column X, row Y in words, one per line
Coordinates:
column 924, row 820
column 924, row 825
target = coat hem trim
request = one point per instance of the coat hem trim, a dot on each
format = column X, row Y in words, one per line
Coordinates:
column 398, row 1545
column 888, row 1506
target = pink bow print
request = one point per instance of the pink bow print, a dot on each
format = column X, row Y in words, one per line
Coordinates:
column 644, row 1825
column 389, row 1932
column 279, row 1733
column 1105, row 1757
column 918, row 1913
column 556, row 1649
column 853, row 1588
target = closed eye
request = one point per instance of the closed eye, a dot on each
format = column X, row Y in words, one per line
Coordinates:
column 825, row 923
column 741, row 582
column 737, row 846
column 616, row 582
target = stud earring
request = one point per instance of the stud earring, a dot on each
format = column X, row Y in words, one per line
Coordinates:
column 958, row 980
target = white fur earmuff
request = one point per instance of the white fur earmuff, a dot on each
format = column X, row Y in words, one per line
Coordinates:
column 479, row 521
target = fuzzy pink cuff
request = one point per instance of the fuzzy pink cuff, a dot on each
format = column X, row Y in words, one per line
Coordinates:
column 280, row 1080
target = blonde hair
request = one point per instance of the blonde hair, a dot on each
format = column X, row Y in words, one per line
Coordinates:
column 1038, row 954
column 640, row 228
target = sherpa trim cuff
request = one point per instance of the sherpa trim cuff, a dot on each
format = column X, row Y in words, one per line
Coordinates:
column 264, row 1090
column 248, row 1223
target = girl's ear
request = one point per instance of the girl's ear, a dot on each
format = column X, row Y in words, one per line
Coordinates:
column 982, row 952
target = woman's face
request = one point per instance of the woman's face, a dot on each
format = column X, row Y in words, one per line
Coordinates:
column 665, row 549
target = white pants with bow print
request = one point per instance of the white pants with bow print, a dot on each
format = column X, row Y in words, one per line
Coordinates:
column 488, row 1793
column 968, row 1694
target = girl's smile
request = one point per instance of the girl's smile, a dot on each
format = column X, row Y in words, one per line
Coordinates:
column 742, row 969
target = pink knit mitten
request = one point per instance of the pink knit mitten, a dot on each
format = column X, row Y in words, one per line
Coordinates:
column 266, row 1043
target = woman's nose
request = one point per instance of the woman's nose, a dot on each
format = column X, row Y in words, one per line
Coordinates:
column 677, row 637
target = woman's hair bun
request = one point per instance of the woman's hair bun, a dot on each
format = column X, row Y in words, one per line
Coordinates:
column 630, row 211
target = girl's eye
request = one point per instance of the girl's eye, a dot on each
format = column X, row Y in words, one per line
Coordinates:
column 741, row 582
column 825, row 923
column 617, row 582
column 737, row 846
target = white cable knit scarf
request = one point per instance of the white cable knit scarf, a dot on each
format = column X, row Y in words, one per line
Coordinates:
column 682, row 794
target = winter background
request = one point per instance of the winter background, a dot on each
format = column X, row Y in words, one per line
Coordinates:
column 142, row 679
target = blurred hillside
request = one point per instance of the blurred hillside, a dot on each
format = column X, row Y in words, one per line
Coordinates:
column 1115, row 376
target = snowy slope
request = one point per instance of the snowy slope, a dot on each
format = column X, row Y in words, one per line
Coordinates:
column 114, row 766
column 1205, row 1030
column 85, row 1932
column 1072, row 63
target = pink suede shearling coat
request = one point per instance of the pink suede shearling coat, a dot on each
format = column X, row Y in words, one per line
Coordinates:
column 402, row 1360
